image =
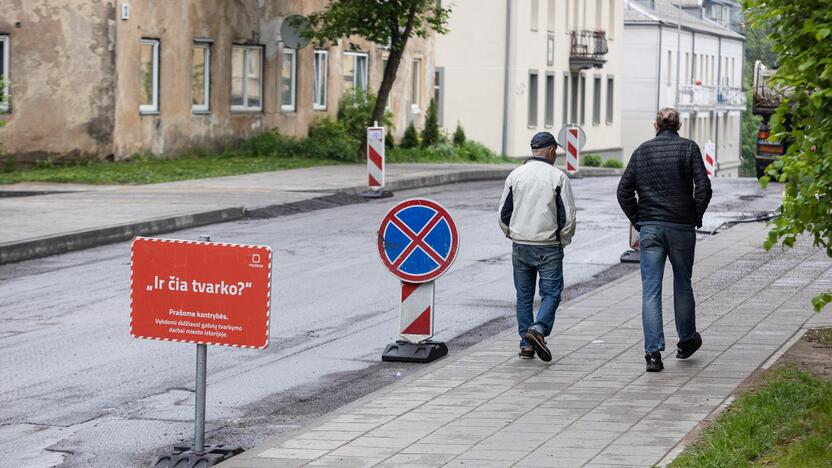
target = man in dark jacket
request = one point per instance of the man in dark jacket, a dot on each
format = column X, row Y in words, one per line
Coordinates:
column 673, row 191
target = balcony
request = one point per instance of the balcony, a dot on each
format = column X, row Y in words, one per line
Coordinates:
column 731, row 98
column 589, row 49
column 697, row 96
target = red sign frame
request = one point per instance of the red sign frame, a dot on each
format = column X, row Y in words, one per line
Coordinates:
column 443, row 266
column 200, row 292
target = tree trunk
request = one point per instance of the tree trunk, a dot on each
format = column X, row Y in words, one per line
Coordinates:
column 397, row 45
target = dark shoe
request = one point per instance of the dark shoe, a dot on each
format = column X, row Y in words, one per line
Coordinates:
column 534, row 338
column 527, row 353
column 685, row 349
column 654, row 361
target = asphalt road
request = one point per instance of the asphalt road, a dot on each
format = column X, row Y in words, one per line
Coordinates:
column 76, row 390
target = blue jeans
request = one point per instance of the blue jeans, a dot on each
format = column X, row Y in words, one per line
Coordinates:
column 531, row 261
column 656, row 244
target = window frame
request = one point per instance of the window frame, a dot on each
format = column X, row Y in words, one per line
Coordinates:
column 293, row 80
column 206, row 78
column 416, row 86
column 355, row 54
column 153, row 108
column 610, row 99
column 317, row 102
column 534, row 97
column 549, row 100
column 5, row 107
column 245, row 107
column 596, row 100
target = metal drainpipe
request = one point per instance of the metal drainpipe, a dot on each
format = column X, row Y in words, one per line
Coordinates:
column 678, row 52
column 504, row 146
column 659, row 71
column 693, row 62
column 718, row 91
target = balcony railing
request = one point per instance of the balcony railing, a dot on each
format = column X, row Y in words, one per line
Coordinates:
column 699, row 96
column 589, row 49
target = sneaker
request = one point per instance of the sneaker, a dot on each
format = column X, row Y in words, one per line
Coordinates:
column 527, row 353
column 685, row 349
column 654, row 361
column 534, row 338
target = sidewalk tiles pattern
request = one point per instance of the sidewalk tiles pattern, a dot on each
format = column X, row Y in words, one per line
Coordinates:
column 593, row 405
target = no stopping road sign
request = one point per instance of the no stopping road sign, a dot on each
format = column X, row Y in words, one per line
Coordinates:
column 418, row 240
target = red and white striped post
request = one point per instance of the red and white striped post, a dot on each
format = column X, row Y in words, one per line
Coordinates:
column 416, row 311
column 573, row 151
column 375, row 163
column 710, row 158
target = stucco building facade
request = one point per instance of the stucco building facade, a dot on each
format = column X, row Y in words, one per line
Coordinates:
column 110, row 79
column 511, row 68
column 694, row 64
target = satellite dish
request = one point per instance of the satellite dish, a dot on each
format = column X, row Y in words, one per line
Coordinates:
column 291, row 31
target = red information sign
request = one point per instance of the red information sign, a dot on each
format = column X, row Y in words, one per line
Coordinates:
column 200, row 292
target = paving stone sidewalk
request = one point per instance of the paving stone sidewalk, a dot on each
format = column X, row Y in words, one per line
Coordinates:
column 593, row 405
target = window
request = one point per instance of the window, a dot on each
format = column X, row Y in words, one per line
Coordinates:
column 550, row 16
column 565, row 98
column 532, row 99
column 535, row 18
column 596, row 101
column 149, row 75
column 598, row 17
column 573, row 86
column 4, row 72
column 549, row 104
column 575, row 5
column 319, row 86
column 288, row 73
column 355, row 70
column 246, row 78
column 416, row 86
column 610, row 95
column 201, row 78
column 686, row 76
column 611, row 23
column 669, row 67
column 582, row 117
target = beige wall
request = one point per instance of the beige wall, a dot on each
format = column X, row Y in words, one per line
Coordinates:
column 473, row 57
column 76, row 83
column 62, row 70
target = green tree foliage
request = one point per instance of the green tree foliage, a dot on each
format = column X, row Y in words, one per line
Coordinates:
column 410, row 139
column 390, row 22
column 430, row 134
column 459, row 135
column 801, row 35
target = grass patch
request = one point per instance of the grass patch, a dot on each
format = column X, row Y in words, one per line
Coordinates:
column 785, row 422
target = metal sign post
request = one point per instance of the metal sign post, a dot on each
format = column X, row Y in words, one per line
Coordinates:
column 375, row 163
column 417, row 242
column 204, row 293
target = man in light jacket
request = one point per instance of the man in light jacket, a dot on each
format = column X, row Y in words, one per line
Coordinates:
column 537, row 212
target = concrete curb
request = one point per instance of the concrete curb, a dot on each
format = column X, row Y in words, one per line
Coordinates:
column 62, row 243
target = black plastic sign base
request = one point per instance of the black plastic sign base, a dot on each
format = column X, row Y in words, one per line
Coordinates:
column 183, row 456
column 376, row 194
column 631, row 256
column 404, row 351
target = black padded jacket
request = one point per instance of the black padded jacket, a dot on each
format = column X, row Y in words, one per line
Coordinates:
column 669, row 176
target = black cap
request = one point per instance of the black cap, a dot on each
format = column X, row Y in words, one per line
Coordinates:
column 543, row 140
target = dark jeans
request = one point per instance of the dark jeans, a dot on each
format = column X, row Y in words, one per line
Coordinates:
column 656, row 244
column 531, row 261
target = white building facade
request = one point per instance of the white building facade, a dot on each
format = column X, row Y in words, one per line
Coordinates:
column 694, row 64
column 511, row 68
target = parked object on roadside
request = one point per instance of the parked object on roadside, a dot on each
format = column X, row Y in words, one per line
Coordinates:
column 668, row 175
column 537, row 212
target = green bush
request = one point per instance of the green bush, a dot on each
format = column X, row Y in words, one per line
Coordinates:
column 327, row 139
column 430, row 134
column 355, row 111
column 410, row 138
column 613, row 164
column 470, row 151
column 459, row 135
column 591, row 160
